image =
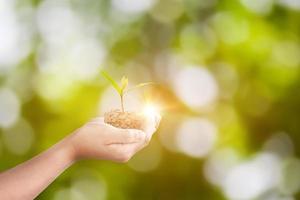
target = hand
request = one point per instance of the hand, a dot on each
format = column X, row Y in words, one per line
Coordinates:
column 98, row 140
column 95, row 139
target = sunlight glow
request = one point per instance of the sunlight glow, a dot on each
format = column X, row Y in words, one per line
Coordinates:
column 151, row 110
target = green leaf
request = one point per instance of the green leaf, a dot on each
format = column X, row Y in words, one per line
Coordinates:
column 140, row 85
column 112, row 81
column 124, row 83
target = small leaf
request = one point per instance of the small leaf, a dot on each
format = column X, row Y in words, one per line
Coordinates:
column 124, row 83
column 112, row 81
column 140, row 85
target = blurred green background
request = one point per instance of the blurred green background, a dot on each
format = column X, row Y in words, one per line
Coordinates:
column 228, row 88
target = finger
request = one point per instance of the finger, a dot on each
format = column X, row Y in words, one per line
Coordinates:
column 157, row 121
column 136, row 147
column 151, row 125
column 125, row 136
column 123, row 152
column 97, row 120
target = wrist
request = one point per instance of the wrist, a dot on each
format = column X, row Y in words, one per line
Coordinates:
column 68, row 147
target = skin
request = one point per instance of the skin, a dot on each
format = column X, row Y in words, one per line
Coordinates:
column 94, row 140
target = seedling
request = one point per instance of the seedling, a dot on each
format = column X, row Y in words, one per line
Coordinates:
column 122, row 88
column 121, row 118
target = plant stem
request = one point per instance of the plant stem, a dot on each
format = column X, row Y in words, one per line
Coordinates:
column 122, row 102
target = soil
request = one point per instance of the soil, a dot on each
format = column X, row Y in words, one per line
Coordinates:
column 125, row 120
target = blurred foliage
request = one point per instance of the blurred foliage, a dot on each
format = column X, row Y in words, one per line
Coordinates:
column 250, row 48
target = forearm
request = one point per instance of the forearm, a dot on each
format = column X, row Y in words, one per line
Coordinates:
column 30, row 178
column 94, row 140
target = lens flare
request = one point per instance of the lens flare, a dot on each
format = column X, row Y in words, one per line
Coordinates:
column 151, row 110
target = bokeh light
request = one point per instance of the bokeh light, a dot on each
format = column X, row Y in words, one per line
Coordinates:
column 133, row 6
column 259, row 7
column 9, row 107
column 196, row 137
column 226, row 81
column 15, row 37
column 60, row 54
column 198, row 42
column 87, row 188
column 280, row 144
column 63, row 194
column 80, row 61
column 57, row 16
column 230, row 28
column 251, row 179
column 195, row 86
column 286, row 54
column 53, row 87
column 292, row 4
column 83, row 188
column 218, row 165
column 167, row 11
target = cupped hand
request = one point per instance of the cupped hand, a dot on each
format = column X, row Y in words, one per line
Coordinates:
column 98, row 140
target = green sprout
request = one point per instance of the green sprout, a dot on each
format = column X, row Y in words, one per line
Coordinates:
column 122, row 87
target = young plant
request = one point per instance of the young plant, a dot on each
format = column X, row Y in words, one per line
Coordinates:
column 122, row 87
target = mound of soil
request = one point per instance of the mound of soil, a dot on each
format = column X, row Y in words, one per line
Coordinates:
column 125, row 120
